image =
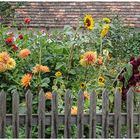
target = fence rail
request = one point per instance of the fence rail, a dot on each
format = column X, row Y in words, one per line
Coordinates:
column 42, row 119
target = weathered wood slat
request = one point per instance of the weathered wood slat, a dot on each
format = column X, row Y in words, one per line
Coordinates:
column 61, row 119
column 130, row 114
column 67, row 129
column 15, row 112
column 92, row 112
column 105, row 114
column 117, row 110
column 29, row 114
column 80, row 115
column 54, row 124
column 41, row 115
column 2, row 113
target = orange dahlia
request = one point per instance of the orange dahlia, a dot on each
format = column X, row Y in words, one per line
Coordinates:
column 24, row 53
column 100, row 60
column 86, row 95
column 40, row 68
column 89, row 58
column 4, row 57
column 48, row 95
column 3, row 67
column 26, row 79
column 74, row 110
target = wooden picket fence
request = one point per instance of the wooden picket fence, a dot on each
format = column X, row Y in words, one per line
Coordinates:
column 106, row 119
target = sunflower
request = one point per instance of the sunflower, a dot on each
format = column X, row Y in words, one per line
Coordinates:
column 74, row 110
column 88, row 22
column 24, row 53
column 58, row 74
column 26, row 79
column 120, row 89
column 101, row 81
column 11, row 64
column 105, row 30
column 89, row 58
column 48, row 95
column 82, row 85
column 106, row 20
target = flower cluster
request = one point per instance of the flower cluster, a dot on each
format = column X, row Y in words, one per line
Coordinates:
column 6, row 63
column 40, row 68
column 89, row 58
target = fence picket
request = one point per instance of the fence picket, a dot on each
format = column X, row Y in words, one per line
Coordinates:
column 2, row 113
column 41, row 115
column 105, row 114
column 117, row 110
column 15, row 114
column 92, row 125
column 80, row 115
column 67, row 129
column 130, row 114
column 54, row 131
column 29, row 114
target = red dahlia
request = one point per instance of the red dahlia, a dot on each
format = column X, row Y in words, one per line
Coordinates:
column 9, row 41
column 20, row 36
column 27, row 20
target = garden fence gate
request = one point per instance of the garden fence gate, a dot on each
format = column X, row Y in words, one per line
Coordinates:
column 116, row 119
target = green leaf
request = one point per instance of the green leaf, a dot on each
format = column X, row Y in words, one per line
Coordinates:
column 128, row 73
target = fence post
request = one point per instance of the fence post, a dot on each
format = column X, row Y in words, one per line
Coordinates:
column 2, row 113
column 80, row 115
column 92, row 112
column 67, row 129
column 117, row 110
column 29, row 114
column 15, row 114
column 54, row 131
column 41, row 117
column 130, row 114
column 105, row 114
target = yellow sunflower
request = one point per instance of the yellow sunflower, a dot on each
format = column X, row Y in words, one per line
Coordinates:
column 58, row 74
column 101, row 81
column 88, row 22
column 83, row 85
column 105, row 30
column 106, row 20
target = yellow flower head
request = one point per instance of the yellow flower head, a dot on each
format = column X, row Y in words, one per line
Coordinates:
column 24, row 53
column 48, row 95
column 101, row 81
column 88, row 22
column 106, row 20
column 86, row 95
column 11, row 64
column 82, row 62
column 105, row 52
column 74, row 110
column 105, row 30
column 89, row 58
column 82, row 85
column 40, row 68
column 58, row 74
column 26, row 79
column 4, row 57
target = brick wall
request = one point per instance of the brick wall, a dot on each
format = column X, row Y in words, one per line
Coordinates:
column 58, row 14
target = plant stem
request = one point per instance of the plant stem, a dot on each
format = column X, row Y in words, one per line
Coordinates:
column 101, row 46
